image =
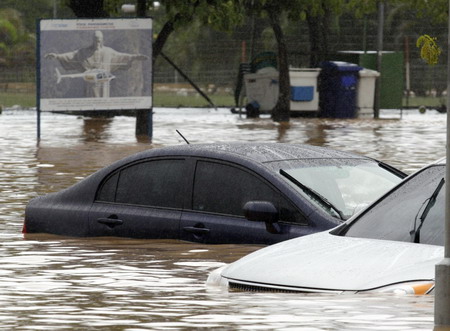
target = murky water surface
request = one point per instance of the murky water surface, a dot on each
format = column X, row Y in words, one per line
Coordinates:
column 120, row 284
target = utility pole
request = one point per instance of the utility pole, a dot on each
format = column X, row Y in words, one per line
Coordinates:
column 55, row 13
column 442, row 278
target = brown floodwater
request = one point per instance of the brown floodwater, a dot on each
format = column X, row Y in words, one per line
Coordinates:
column 49, row 282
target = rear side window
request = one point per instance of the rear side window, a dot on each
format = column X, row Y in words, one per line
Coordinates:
column 224, row 189
column 108, row 190
column 154, row 183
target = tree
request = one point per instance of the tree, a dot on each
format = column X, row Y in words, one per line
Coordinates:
column 273, row 9
column 317, row 13
column 16, row 42
column 220, row 14
column 281, row 111
column 436, row 9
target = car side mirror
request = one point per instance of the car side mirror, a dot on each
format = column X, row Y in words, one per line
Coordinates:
column 261, row 211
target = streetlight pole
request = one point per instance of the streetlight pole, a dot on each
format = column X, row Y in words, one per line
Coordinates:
column 442, row 289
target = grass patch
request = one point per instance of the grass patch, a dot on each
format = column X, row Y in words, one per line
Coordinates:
column 174, row 100
column 160, row 99
column 166, row 99
column 416, row 102
column 25, row 100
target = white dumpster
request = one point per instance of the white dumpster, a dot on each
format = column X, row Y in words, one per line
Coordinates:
column 366, row 92
column 261, row 89
column 304, row 92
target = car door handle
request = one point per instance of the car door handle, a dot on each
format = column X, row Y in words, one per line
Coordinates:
column 111, row 222
column 196, row 230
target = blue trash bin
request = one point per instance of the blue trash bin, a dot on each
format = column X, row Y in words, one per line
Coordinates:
column 337, row 85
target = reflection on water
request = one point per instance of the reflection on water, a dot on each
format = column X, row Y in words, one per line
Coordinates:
column 94, row 129
column 119, row 284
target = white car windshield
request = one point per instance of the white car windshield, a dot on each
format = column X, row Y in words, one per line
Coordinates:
column 413, row 212
column 343, row 189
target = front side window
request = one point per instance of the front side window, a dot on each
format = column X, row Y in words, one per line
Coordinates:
column 224, row 189
column 156, row 183
column 398, row 216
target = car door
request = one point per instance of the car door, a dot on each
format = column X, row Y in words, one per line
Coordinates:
column 219, row 192
column 141, row 200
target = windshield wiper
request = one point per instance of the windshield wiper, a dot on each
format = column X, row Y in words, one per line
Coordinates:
column 415, row 233
column 313, row 193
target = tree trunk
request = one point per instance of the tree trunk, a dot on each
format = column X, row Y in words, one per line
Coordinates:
column 314, row 41
column 141, row 8
column 88, row 8
column 319, row 30
column 281, row 111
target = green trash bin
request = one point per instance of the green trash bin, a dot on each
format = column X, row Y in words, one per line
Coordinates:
column 391, row 74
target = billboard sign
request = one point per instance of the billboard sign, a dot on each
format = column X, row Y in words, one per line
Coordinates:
column 95, row 64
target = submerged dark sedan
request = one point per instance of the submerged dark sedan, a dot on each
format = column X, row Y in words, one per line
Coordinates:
column 253, row 193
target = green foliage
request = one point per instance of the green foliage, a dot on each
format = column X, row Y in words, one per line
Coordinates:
column 437, row 10
column 113, row 7
column 25, row 12
column 429, row 50
column 360, row 8
column 220, row 14
column 314, row 8
column 8, row 33
column 16, row 43
column 301, row 9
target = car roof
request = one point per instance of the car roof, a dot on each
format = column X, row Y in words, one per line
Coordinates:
column 259, row 152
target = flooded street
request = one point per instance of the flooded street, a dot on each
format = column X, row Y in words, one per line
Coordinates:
column 119, row 284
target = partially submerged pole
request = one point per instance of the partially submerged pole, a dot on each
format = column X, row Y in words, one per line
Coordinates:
column 144, row 117
column 442, row 289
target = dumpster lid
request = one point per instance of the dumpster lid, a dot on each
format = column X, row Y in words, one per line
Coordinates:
column 368, row 73
column 340, row 66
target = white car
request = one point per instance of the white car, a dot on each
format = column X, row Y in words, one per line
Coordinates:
column 392, row 246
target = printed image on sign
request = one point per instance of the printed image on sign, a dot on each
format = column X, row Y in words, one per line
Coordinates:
column 102, row 64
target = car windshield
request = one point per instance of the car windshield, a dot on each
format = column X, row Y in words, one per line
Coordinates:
column 342, row 189
column 414, row 212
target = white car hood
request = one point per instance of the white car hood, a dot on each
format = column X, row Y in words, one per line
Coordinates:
column 324, row 261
